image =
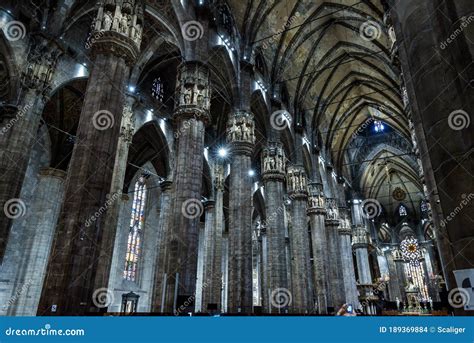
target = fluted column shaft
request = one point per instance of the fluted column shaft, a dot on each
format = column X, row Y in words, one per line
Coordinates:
column 299, row 243
column 335, row 282
column 113, row 211
column 164, row 230
column 345, row 243
column 273, row 162
column 438, row 74
column 73, row 263
column 212, row 276
column 240, row 135
column 19, row 126
column 316, row 211
column 35, row 249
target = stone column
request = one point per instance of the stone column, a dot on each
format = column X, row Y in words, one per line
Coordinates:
column 127, row 128
column 264, row 270
column 334, row 271
column 297, row 188
column 225, row 272
column 44, row 215
column 191, row 117
column 316, row 211
column 273, row 173
column 394, row 287
column 438, row 75
column 69, row 285
column 360, row 244
column 19, row 126
column 201, row 260
column 240, row 135
column 163, row 234
column 344, row 230
column 213, row 247
column 205, row 245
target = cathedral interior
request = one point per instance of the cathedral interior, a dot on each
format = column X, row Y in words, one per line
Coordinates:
column 236, row 157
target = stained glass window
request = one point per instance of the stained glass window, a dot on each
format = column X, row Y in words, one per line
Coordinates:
column 402, row 211
column 135, row 234
column 157, row 89
column 416, row 276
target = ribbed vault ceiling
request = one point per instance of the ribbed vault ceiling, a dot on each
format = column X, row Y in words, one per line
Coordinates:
column 332, row 72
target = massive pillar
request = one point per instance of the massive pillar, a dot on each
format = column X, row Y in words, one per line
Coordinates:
column 163, row 234
column 263, row 240
column 35, row 249
column 360, row 243
column 211, row 294
column 334, row 250
column 299, row 246
column 203, row 246
column 18, row 130
column 345, row 231
column 438, row 74
column 69, row 285
column 273, row 173
column 345, row 244
column 335, row 282
column 240, row 135
column 316, row 211
column 113, row 210
column 191, row 116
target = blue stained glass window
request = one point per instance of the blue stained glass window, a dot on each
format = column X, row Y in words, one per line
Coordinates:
column 135, row 234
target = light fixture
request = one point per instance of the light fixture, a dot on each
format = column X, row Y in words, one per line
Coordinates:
column 222, row 152
column 131, row 89
column 251, row 172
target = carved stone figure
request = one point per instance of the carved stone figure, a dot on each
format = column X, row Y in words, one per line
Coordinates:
column 107, row 21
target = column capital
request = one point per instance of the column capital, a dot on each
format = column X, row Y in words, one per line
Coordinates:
column 42, row 59
column 360, row 237
column 113, row 43
column 127, row 125
column 240, row 132
column 193, row 92
column 316, row 199
column 53, row 172
column 332, row 212
column 273, row 162
column 117, row 29
column 296, row 182
column 219, row 179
